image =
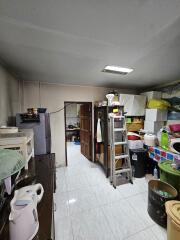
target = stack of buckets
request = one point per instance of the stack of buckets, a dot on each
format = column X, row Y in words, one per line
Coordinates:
column 173, row 220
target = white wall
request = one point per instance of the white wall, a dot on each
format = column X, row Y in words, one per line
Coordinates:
column 9, row 96
column 53, row 96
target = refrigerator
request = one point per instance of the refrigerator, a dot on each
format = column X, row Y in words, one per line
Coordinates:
column 42, row 132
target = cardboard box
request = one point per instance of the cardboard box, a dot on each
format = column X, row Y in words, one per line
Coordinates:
column 153, row 126
column 152, row 94
column 135, row 144
column 134, row 126
column 101, row 155
column 118, row 151
column 102, row 148
column 156, row 115
column 101, row 158
column 134, row 105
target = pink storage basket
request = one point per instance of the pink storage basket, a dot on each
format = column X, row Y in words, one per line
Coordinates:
column 174, row 127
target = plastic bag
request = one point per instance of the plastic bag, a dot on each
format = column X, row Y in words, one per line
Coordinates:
column 11, row 162
column 158, row 104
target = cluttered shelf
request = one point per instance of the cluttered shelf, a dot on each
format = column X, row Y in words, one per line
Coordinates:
column 41, row 169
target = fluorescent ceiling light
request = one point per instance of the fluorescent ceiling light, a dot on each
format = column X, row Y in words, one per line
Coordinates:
column 71, row 201
column 117, row 69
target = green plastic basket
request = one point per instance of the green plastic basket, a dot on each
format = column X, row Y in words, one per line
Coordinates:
column 170, row 175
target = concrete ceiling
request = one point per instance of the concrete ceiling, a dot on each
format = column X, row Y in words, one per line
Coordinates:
column 70, row 41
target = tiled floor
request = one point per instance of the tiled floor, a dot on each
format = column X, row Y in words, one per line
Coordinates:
column 89, row 208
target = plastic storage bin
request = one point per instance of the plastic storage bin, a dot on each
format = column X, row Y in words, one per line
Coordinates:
column 170, row 175
column 173, row 220
column 156, row 200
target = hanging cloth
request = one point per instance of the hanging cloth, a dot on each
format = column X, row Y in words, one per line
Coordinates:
column 99, row 134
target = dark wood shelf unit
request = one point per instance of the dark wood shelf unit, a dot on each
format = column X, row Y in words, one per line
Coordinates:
column 103, row 112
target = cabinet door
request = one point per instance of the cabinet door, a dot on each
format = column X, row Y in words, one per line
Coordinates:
column 86, row 130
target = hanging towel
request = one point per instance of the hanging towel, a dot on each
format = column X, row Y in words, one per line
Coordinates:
column 99, row 134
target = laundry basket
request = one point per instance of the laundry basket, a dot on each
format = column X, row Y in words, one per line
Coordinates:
column 158, row 193
column 173, row 220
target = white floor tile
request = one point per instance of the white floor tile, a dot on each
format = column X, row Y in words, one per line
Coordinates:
column 91, row 225
column 81, row 200
column 61, row 197
column 143, row 235
column 61, row 185
column 89, row 208
column 75, row 170
column 62, row 208
column 95, row 177
column 139, row 203
column 128, row 189
column 60, row 172
column 63, row 228
column 106, row 194
column 141, row 183
column 122, row 219
column 159, row 232
column 77, row 181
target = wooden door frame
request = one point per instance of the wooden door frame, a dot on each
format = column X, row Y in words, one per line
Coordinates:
column 76, row 102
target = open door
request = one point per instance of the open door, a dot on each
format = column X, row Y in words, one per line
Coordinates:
column 86, row 130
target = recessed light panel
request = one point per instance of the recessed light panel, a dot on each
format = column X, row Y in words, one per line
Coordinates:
column 117, row 69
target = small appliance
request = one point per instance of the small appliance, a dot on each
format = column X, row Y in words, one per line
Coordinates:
column 23, row 218
column 150, row 139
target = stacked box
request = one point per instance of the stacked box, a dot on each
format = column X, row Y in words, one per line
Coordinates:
column 156, row 115
column 152, row 95
column 155, row 120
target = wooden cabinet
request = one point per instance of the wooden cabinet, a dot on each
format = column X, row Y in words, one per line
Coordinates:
column 45, row 174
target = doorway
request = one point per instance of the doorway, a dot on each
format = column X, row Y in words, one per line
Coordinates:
column 78, row 128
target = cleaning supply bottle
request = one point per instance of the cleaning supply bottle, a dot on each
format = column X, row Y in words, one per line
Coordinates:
column 164, row 139
column 155, row 173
